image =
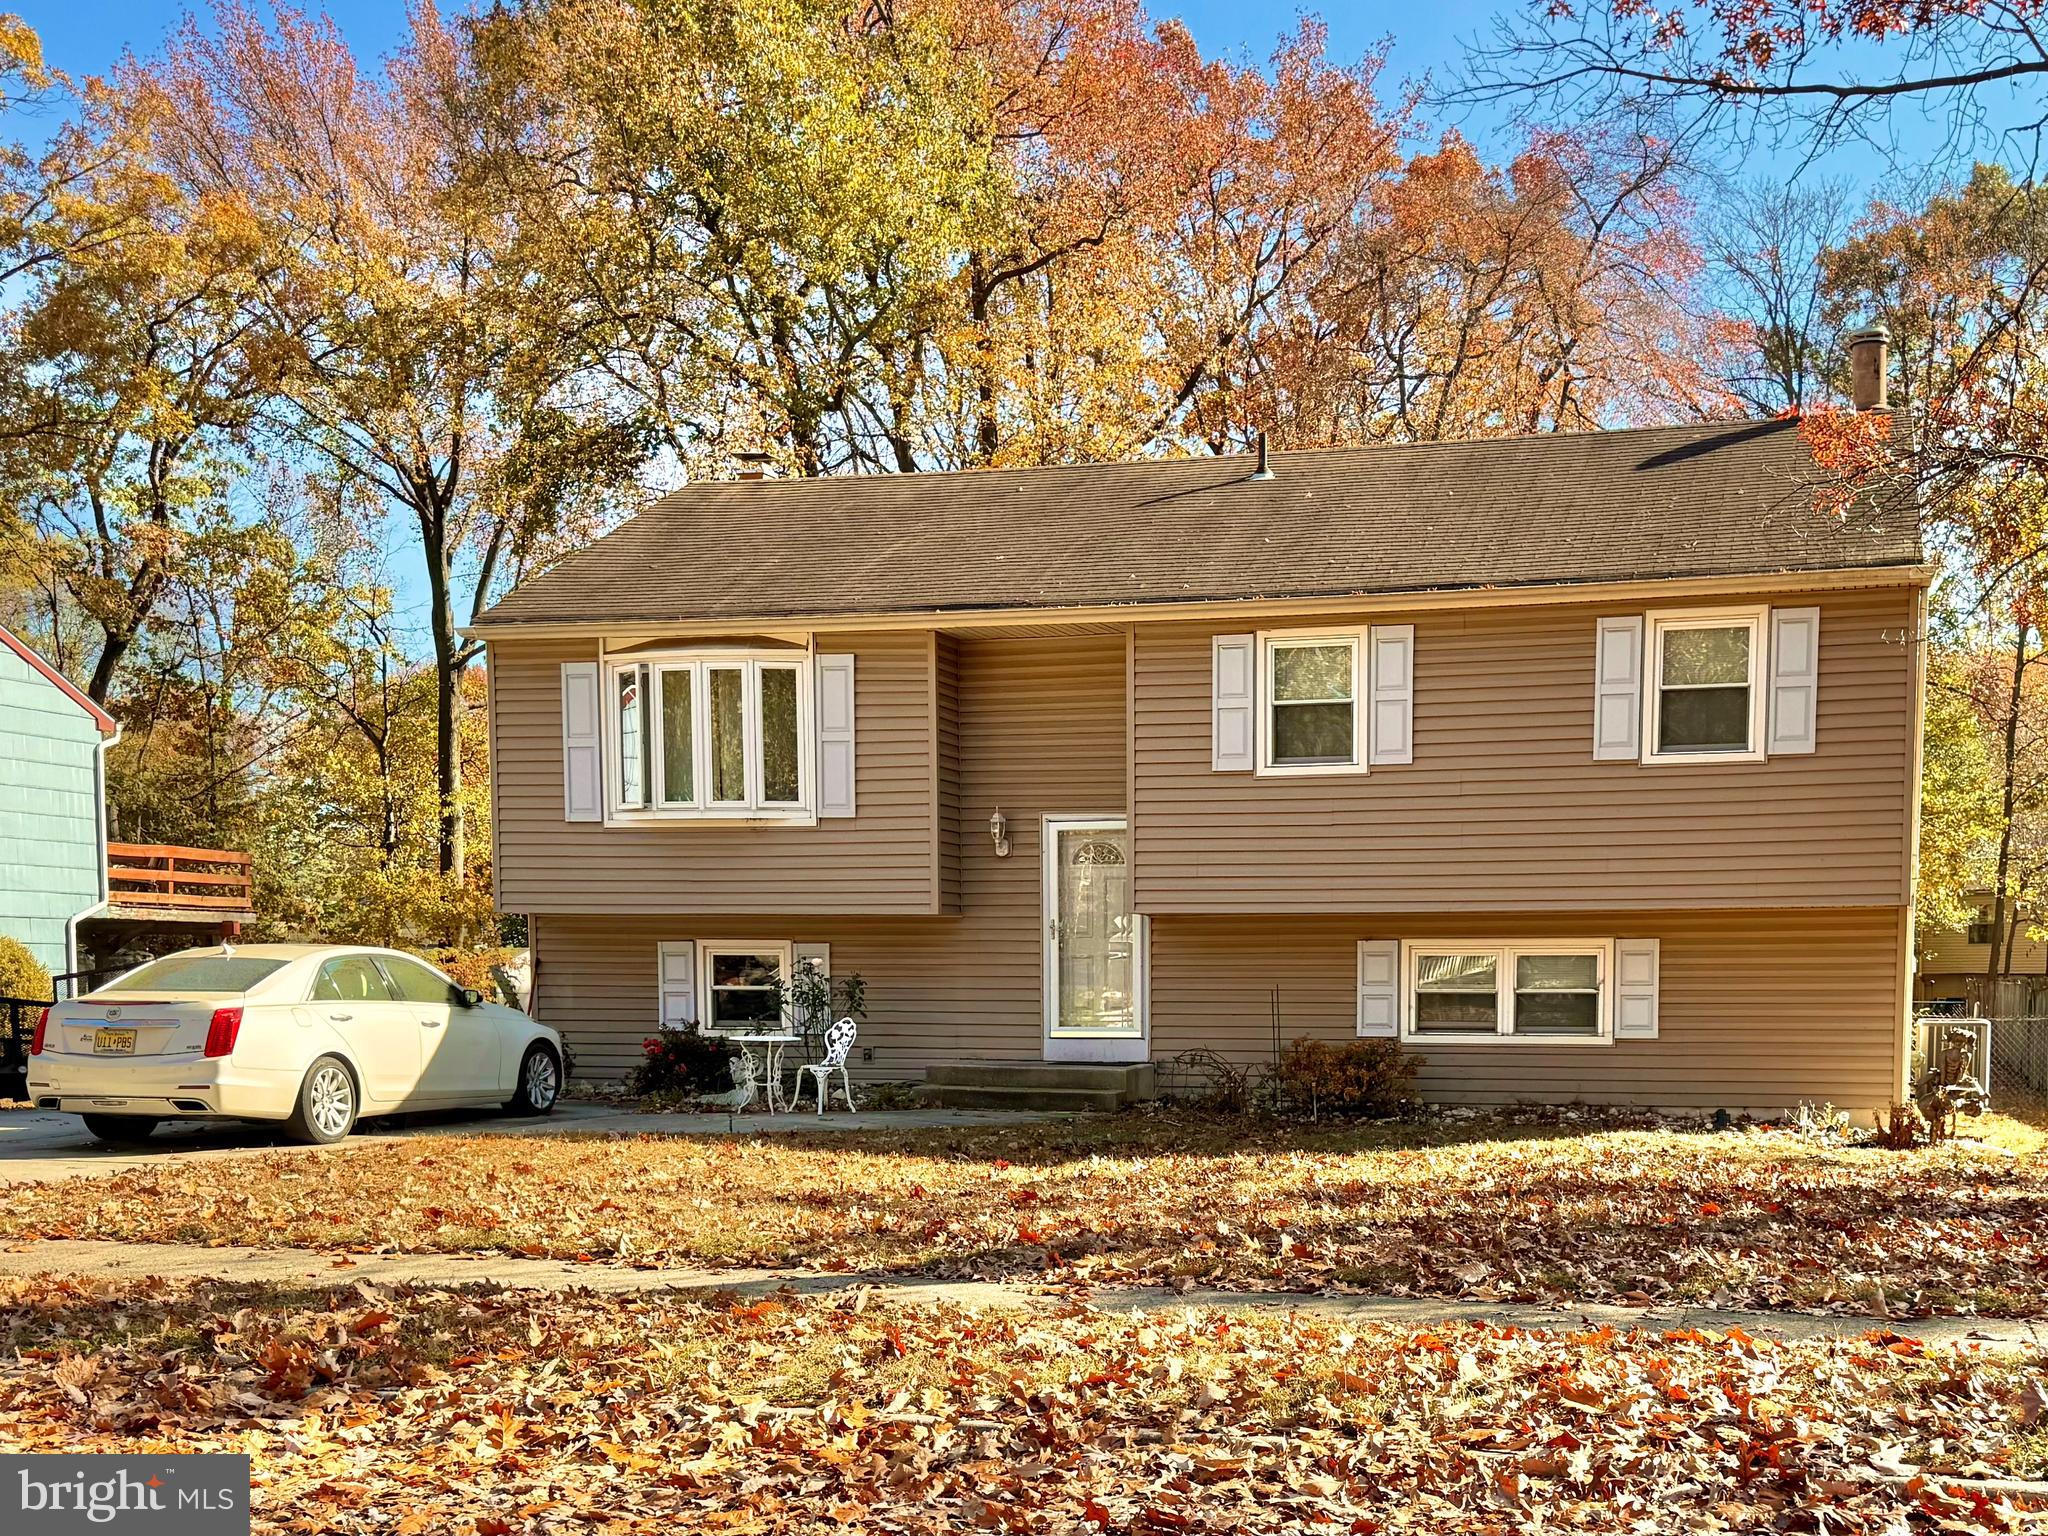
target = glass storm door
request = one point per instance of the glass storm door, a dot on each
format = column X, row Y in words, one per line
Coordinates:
column 1092, row 945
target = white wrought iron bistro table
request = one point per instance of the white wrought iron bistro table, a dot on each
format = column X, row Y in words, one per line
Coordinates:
column 771, row 1048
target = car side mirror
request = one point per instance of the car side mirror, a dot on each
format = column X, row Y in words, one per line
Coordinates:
column 469, row 997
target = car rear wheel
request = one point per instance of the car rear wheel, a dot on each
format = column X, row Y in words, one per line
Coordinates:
column 326, row 1109
column 120, row 1130
column 540, row 1083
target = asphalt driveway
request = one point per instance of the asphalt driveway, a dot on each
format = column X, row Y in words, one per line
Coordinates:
column 40, row 1144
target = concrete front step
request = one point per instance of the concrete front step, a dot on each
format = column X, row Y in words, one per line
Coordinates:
column 1105, row 1101
column 1039, row 1084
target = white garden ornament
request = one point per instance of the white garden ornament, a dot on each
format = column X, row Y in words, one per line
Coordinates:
column 744, row 1086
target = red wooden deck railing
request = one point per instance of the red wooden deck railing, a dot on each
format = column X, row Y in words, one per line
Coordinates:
column 166, row 877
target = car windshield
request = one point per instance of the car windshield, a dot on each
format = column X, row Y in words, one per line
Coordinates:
column 196, row 973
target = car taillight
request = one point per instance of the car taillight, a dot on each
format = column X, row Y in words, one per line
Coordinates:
column 35, row 1044
column 221, row 1033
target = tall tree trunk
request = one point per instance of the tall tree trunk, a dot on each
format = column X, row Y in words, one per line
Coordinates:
column 104, row 670
column 1999, row 917
column 447, row 693
column 387, row 834
column 987, row 432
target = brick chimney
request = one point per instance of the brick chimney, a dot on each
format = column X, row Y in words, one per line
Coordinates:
column 1870, row 368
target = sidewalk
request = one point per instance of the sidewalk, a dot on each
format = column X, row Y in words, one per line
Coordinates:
column 301, row 1267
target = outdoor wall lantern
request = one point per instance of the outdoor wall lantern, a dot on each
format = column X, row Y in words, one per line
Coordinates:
column 999, row 830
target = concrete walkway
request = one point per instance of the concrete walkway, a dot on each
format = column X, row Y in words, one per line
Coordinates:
column 300, row 1267
column 39, row 1145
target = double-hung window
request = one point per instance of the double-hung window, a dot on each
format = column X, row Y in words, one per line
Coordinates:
column 1705, row 701
column 1311, row 720
column 1551, row 990
column 743, row 986
column 718, row 735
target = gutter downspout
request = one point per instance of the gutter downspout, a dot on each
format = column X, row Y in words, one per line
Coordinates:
column 99, row 850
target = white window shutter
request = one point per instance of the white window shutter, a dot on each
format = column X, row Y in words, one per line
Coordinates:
column 582, row 744
column 816, row 956
column 835, row 736
column 1795, row 679
column 1636, row 966
column 678, row 983
column 1234, row 663
column 1379, row 988
column 1392, row 649
column 1618, row 689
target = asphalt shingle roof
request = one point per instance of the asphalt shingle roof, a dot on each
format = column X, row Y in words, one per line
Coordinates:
column 1721, row 499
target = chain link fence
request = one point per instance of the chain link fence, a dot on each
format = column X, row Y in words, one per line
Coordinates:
column 2019, row 1065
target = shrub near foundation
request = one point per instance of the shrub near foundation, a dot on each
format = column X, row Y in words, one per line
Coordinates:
column 1363, row 1078
column 684, row 1061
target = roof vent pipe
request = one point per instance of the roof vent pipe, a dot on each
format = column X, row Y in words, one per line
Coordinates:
column 1265, row 469
column 1870, row 368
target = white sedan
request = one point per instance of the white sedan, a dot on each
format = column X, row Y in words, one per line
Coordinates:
column 310, row 1035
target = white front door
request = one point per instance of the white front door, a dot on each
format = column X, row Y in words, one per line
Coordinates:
column 1094, row 943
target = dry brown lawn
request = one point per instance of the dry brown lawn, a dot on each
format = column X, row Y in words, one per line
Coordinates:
column 489, row 1414
column 1489, row 1209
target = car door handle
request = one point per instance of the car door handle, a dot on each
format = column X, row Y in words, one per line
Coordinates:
column 341, row 1018
column 431, row 1023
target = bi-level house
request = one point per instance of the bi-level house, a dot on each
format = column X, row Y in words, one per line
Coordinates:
column 1584, row 765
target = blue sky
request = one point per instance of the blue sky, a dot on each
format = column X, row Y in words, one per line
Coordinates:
column 87, row 38
column 1427, row 40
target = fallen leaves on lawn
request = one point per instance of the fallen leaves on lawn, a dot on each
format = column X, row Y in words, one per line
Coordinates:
column 500, row 1412
column 1492, row 1211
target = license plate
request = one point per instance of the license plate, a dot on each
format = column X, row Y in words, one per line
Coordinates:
column 113, row 1042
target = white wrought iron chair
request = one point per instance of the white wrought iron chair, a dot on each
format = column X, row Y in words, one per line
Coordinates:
column 838, row 1046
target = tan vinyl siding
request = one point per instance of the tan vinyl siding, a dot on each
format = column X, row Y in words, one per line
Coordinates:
column 878, row 860
column 939, row 988
column 946, row 767
column 1041, row 732
column 1757, row 1010
column 1504, row 805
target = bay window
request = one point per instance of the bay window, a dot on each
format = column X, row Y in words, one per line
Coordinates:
column 712, row 736
column 1540, row 989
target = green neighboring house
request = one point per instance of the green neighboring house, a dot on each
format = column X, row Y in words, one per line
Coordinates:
column 53, row 821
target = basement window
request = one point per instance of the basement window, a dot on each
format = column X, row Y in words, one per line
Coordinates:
column 1556, row 991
